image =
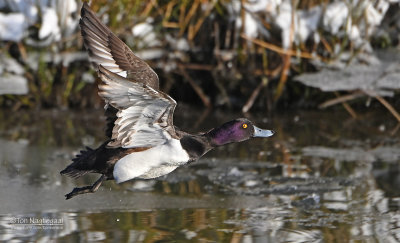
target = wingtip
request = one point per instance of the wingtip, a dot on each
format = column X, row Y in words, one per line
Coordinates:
column 85, row 7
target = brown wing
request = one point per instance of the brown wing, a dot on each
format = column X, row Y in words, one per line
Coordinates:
column 108, row 50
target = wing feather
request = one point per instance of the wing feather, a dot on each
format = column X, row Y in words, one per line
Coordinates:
column 108, row 50
column 144, row 117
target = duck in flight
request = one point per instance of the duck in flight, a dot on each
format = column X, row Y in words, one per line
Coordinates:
column 142, row 139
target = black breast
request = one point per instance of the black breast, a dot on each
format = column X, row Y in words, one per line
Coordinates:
column 194, row 146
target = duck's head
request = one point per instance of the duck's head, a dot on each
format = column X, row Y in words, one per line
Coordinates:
column 236, row 131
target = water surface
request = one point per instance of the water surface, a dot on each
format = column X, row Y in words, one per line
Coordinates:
column 323, row 177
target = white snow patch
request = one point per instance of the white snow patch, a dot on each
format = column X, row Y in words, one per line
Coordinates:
column 49, row 25
column 12, row 26
column 335, row 16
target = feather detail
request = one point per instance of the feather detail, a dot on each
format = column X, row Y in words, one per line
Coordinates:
column 108, row 50
column 144, row 117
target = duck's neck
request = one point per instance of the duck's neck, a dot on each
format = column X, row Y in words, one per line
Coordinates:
column 195, row 145
column 219, row 136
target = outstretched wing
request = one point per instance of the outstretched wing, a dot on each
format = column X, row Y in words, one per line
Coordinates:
column 108, row 50
column 144, row 114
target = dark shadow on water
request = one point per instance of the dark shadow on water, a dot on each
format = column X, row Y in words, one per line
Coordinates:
column 322, row 177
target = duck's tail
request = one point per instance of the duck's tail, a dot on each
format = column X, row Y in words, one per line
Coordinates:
column 77, row 167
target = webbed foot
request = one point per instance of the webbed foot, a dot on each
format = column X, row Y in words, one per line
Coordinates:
column 86, row 189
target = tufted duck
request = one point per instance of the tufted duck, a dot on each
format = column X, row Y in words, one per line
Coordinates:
column 143, row 142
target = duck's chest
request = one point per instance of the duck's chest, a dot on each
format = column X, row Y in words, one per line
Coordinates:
column 151, row 163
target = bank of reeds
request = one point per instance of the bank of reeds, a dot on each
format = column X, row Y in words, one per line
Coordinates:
column 235, row 53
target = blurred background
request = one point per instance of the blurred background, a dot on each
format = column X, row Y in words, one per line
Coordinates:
column 324, row 74
column 233, row 54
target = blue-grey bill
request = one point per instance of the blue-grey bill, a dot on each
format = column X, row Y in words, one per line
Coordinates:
column 263, row 133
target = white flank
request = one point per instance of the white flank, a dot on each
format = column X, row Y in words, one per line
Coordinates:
column 157, row 161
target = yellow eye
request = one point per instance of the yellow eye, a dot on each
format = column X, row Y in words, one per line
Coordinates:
column 244, row 125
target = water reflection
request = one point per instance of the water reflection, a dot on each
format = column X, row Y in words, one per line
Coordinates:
column 315, row 181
